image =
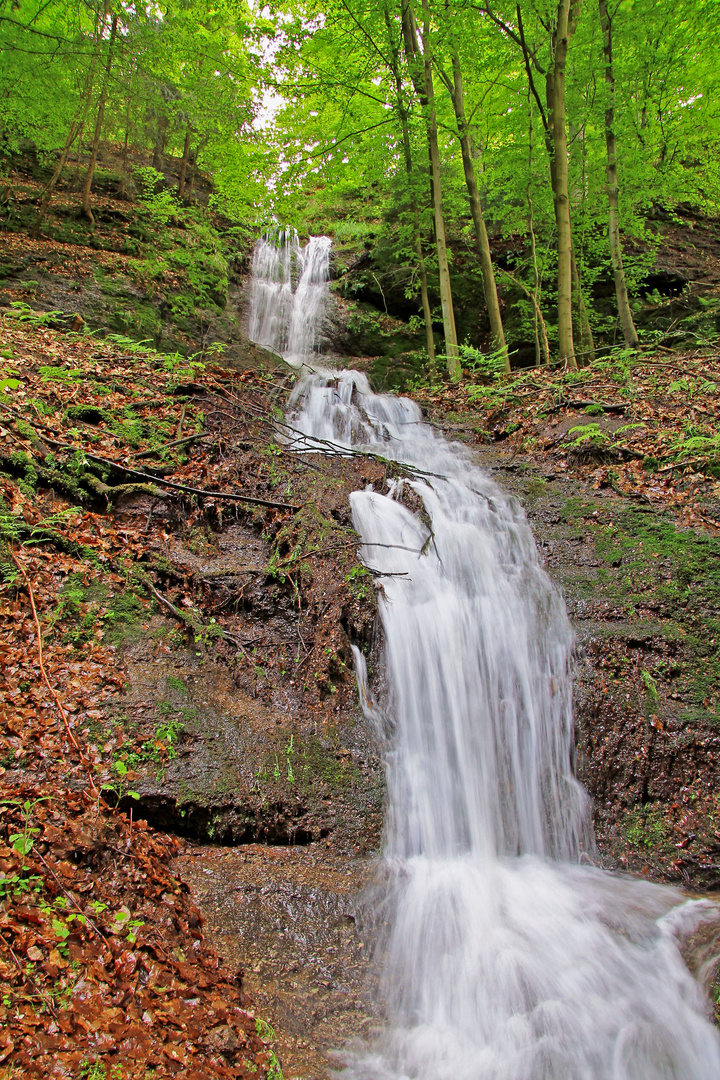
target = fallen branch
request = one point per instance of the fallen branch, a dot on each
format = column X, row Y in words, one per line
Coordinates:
column 215, row 630
column 168, row 445
column 604, row 405
column 682, row 464
column 234, row 496
column 193, row 490
column 310, row 444
column 71, row 898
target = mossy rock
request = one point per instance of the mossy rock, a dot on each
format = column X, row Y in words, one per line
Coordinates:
column 396, row 372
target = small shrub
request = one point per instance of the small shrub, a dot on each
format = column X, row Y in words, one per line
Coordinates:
column 158, row 201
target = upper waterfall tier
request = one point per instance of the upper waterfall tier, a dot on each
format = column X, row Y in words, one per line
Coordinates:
column 288, row 290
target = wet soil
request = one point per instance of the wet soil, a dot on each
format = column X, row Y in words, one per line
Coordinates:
column 288, row 917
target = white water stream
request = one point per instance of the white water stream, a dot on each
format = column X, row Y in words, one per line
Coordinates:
column 505, row 956
column 288, row 286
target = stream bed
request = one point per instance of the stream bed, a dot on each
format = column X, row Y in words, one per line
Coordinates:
column 287, row 917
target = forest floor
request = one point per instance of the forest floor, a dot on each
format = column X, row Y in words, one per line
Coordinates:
column 646, row 425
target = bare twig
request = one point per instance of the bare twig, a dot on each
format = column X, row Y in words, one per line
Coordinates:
column 56, row 699
column 184, row 619
column 71, row 898
column 233, row 496
column 26, row 975
column 167, row 445
column 682, row 464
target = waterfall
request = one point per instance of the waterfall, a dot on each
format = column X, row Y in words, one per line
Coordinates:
column 504, row 954
column 288, row 287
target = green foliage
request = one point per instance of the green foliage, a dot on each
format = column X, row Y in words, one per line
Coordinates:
column 646, row 829
column 160, row 203
column 488, row 365
column 7, row 382
column 305, row 113
column 267, row 1033
column 22, row 842
column 651, row 691
column 589, row 434
column 703, row 448
column 98, row 1070
column 24, row 313
column 359, row 581
column 60, row 374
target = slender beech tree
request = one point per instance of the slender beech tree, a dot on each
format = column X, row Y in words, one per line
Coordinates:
column 87, row 186
column 616, row 256
column 402, row 111
column 184, row 164
column 552, row 115
column 568, row 12
column 76, row 126
column 542, row 346
column 457, row 96
column 580, row 311
column 420, row 67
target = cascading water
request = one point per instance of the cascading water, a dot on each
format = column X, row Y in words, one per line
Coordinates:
column 503, row 957
column 287, row 294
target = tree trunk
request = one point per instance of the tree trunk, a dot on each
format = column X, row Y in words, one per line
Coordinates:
column 125, row 143
column 542, row 354
column 567, row 13
column 52, row 183
column 86, row 207
column 586, row 334
column 541, row 335
column 424, row 296
column 75, row 128
column 553, row 121
column 159, row 147
column 79, row 155
column 421, row 75
column 183, row 165
column 616, row 258
column 451, row 344
column 407, row 153
column 488, row 273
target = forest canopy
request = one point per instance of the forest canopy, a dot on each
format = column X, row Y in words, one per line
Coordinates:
column 557, row 130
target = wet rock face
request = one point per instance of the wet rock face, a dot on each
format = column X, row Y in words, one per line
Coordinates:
column 289, row 917
column 353, row 328
column 260, row 740
column 644, row 598
column 241, row 772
